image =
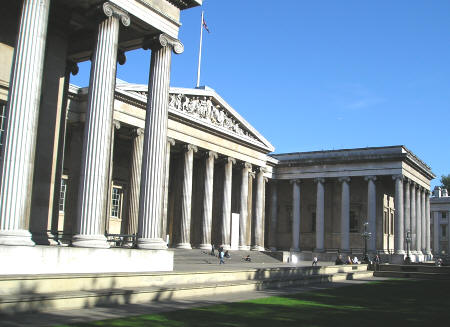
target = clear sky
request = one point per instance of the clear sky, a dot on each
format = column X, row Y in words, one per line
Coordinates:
column 320, row 75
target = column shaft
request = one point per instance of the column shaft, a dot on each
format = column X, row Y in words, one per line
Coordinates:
column 399, row 217
column 170, row 143
column 418, row 220
column 320, row 215
column 186, row 201
column 208, row 201
column 21, row 126
column 423, row 223
column 259, row 207
column 295, row 216
column 407, row 209
column 436, row 243
column 155, row 144
column 94, row 178
column 345, row 214
column 135, row 181
column 427, row 225
column 372, row 213
column 273, row 215
column 413, row 218
column 243, row 211
column 226, row 204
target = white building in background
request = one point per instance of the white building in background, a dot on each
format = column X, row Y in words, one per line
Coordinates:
column 440, row 212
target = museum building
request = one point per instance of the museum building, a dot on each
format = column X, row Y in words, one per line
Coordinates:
column 145, row 167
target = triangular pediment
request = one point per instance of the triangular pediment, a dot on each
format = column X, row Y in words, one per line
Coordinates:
column 203, row 106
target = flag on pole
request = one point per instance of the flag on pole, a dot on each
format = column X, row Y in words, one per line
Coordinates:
column 205, row 26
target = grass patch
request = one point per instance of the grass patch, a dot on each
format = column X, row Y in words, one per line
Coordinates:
column 386, row 303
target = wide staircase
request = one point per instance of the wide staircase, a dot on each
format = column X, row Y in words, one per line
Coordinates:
column 21, row 293
column 416, row 271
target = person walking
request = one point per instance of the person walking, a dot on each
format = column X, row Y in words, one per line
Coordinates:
column 221, row 255
column 315, row 260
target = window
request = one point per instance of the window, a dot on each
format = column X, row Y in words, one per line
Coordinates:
column 116, row 201
column 313, row 222
column 444, row 215
column 2, row 121
column 354, row 223
column 444, row 231
column 62, row 194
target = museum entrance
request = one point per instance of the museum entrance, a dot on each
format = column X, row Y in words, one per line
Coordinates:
column 388, row 223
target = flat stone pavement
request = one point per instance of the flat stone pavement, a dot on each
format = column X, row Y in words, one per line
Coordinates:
column 101, row 313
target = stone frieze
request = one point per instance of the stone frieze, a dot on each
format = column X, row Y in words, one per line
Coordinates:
column 202, row 108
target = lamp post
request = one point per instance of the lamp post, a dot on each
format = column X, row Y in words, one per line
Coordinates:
column 366, row 235
column 408, row 240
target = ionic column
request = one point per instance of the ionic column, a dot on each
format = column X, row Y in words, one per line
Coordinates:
column 345, row 214
column 243, row 211
column 436, row 243
column 21, row 126
column 208, row 200
column 320, row 215
column 372, row 212
column 94, row 178
column 419, row 220
column 295, row 215
column 399, row 217
column 135, row 180
column 186, row 201
column 407, row 209
column 226, row 205
column 423, row 222
column 170, row 143
column 259, row 208
column 273, row 215
column 427, row 224
column 413, row 218
column 155, row 143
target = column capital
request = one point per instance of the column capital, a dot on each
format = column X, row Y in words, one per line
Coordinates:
column 111, row 10
column 396, row 177
column 212, row 154
column 190, row 147
column 229, row 160
column 247, row 165
column 251, row 174
column 295, row 181
column 116, row 124
column 265, row 179
column 407, row 180
column 262, row 170
column 163, row 40
column 319, row 180
column 370, row 178
column 171, row 141
column 344, row 179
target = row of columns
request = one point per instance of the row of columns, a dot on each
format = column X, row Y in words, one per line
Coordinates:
column 207, row 212
column 21, row 130
column 411, row 214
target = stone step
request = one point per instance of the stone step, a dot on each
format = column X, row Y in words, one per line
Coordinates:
column 42, row 284
column 414, row 268
column 118, row 296
column 415, row 275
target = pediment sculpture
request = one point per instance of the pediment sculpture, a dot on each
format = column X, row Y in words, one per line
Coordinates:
column 202, row 107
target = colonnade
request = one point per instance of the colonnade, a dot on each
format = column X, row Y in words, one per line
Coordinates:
column 94, row 180
column 412, row 203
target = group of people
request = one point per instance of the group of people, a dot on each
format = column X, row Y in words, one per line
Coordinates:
column 220, row 254
column 348, row 261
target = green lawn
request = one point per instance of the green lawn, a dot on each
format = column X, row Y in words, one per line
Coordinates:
column 386, row 303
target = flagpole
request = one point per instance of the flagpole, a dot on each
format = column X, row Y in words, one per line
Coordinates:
column 200, row 52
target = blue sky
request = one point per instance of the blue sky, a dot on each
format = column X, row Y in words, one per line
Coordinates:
column 313, row 75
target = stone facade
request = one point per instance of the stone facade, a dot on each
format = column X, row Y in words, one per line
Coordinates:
column 149, row 166
column 440, row 215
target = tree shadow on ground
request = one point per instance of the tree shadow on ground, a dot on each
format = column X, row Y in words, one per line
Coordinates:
column 384, row 303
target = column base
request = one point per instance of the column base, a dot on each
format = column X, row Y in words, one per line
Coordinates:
column 402, row 252
column 20, row 237
column 44, row 238
column 294, row 250
column 90, row 241
column 205, row 247
column 186, row 246
column 257, row 248
column 244, row 247
column 151, row 244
